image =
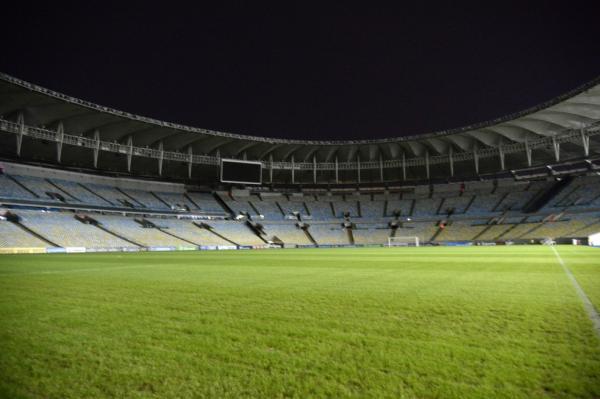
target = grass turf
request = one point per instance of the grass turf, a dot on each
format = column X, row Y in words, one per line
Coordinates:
column 423, row 322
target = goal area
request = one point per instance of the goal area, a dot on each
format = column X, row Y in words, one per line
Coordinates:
column 403, row 241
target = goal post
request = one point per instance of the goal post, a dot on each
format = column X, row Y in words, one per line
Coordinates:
column 404, row 241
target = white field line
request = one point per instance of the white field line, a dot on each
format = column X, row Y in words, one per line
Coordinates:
column 587, row 304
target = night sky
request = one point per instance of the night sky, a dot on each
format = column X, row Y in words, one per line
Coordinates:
column 305, row 73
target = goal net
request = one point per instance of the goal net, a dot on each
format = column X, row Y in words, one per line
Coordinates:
column 408, row 241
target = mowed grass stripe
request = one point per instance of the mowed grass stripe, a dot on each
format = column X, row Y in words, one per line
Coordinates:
column 422, row 322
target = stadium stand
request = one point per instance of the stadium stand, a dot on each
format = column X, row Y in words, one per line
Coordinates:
column 371, row 234
column 516, row 190
column 9, row 188
column 189, row 231
column 205, row 202
column 64, row 230
column 236, row 232
column 132, row 230
column 286, row 232
column 329, row 234
column 12, row 236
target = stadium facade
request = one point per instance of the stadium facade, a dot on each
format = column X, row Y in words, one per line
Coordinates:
column 79, row 175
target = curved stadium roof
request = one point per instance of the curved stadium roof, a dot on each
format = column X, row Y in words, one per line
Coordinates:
column 524, row 138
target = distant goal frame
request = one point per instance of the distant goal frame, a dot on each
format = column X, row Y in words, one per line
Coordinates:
column 404, row 241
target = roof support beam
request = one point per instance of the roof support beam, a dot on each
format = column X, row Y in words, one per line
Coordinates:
column 161, row 157
column 403, row 165
column 427, row 163
column 556, row 147
column 96, row 147
column 271, row 168
column 21, row 122
column 129, row 152
column 337, row 175
column 528, row 153
column 476, row 159
column 293, row 171
column 501, row 154
column 314, row 169
column 451, row 160
column 380, row 167
column 585, row 139
column 60, row 137
column 358, row 167
column 190, row 153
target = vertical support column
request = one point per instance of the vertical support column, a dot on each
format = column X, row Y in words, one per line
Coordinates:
column 556, row 146
column 96, row 147
column 451, row 160
column 190, row 153
column 380, row 167
column 427, row 163
column 161, row 156
column 314, row 169
column 337, row 175
column 244, row 156
column 21, row 122
column 403, row 166
column 60, row 136
column 528, row 153
column 218, row 155
column 501, row 154
column 476, row 158
column 270, row 168
column 129, row 152
column 358, row 167
column 293, row 171
column 585, row 139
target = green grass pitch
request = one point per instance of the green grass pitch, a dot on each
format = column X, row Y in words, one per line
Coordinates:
column 475, row 322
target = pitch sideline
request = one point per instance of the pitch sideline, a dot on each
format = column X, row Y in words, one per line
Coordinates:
column 587, row 304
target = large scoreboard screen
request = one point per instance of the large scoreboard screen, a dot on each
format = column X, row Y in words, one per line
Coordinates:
column 242, row 172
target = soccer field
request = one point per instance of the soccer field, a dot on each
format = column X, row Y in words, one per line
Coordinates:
column 423, row 322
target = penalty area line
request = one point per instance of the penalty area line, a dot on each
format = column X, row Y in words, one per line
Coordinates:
column 587, row 304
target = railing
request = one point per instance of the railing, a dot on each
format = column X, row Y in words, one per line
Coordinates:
column 576, row 136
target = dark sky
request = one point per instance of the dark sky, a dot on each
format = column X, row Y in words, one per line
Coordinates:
column 337, row 73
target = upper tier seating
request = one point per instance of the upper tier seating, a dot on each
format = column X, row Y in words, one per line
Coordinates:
column 458, row 204
column 403, row 206
column 426, row 206
column 82, row 194
column 371, row 209
column 320, row 210
column 268, row 209
column 293, row 205
column 176, row 200
column 484, row 203
column 146, row 199
column 41, row 188
column 10, row 189
column 206, row 202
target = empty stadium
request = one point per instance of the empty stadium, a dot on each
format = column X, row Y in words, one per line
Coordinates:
column 147, row 258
